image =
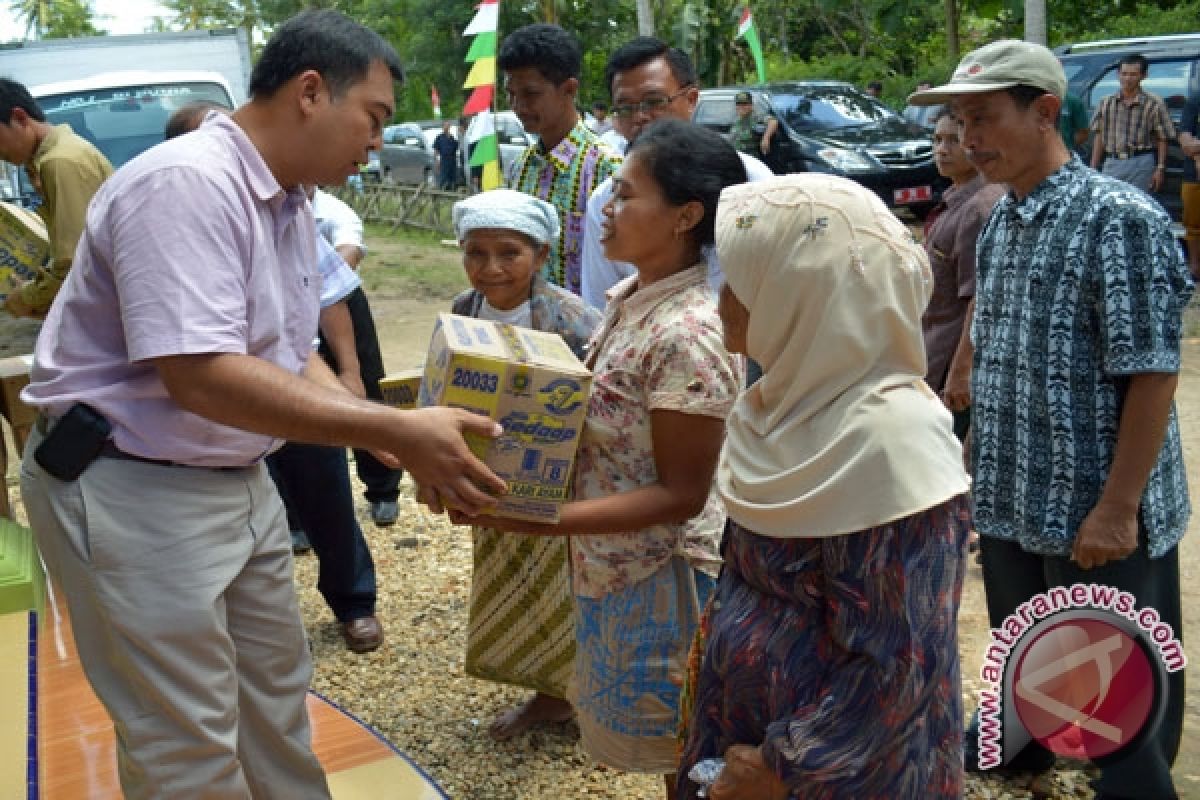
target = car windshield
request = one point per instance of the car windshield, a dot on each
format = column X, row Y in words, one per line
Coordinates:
column 122, row 122
column 828, row 108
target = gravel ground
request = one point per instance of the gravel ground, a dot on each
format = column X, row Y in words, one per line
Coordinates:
column 414, row 692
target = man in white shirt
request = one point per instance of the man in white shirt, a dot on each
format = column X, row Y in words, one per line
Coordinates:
column 649, row 80
column 341, row 227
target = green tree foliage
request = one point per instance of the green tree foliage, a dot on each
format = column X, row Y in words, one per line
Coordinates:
column 898, row 42
column 56, row 19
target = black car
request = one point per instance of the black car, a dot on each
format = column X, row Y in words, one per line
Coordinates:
column 831, row 126
column 1174, row 75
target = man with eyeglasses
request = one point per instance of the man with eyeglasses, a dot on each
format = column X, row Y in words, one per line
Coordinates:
column 649, row 80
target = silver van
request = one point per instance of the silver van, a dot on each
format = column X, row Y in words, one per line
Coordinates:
column 406, row 156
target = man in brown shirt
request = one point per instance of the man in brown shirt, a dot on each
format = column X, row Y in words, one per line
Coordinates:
column 1132, row 129
column 950, row 241
column 66, row 170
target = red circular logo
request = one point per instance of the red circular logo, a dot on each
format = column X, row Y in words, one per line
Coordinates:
column 1084, row 688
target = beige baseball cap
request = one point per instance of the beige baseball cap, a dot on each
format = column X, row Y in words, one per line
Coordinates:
column 999, row 65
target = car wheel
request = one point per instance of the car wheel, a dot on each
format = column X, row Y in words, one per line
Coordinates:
column 429, row 181
column 387, row 177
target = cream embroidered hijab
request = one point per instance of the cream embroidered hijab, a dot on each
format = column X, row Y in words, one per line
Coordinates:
column 841, row 433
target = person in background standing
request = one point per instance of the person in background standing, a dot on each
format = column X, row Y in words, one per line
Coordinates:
column 648, row 80
column 600, row 121
column 1073, row 123
column 950, row 243
column 1189, row 141
column 1132, row 129
column 744, row 134
column 541, row 65
column 341, row 227
column 66, row 170
column 446, row 147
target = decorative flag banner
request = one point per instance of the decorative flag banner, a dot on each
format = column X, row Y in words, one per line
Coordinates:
column 482, row 74
column 747, row 30
column 484, row 45
column 480, row 100
column 486, row 152
column 487, row 19
column 437, row 102
column 481, row 133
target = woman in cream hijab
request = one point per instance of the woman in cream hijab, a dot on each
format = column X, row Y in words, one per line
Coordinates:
column 831, row 666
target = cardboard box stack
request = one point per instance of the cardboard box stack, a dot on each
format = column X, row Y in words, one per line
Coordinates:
column 402, row 389
column 533, row 385
column 24, row 246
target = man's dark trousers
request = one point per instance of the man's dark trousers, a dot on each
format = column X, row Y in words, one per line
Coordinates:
column 382, row 483
column 315, row 480
column 1012, row 576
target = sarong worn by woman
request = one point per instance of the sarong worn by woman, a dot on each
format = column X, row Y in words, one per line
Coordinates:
column 845, row 626
column 831, row 668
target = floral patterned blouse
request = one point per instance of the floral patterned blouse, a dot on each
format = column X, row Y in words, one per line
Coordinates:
column 658, row 348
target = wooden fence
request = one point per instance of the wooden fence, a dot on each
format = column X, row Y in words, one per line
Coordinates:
column 415, row 206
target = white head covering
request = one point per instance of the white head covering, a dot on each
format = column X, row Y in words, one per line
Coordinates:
column 841, row 433
column 508, row 210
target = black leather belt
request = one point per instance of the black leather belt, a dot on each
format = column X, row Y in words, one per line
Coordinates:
column 1130, row 153
column 110, row 450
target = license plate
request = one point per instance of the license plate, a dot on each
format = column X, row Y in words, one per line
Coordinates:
column 914, row 194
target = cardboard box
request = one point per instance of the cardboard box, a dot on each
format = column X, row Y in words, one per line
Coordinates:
column 402, row 389
column 24, row 246
column 14, row 376
column 532, row 384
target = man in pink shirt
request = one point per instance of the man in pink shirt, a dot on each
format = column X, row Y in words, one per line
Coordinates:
column 178, row 354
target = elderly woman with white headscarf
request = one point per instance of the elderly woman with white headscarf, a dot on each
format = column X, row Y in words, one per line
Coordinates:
column 505, row 238
column 831, row 663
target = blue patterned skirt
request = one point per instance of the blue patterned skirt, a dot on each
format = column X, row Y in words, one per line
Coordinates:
column 630, row 659
column 839, row 656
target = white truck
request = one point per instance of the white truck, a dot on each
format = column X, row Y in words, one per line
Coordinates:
column 119, row 91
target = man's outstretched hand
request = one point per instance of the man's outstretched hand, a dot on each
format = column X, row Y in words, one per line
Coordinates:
column 443, row 467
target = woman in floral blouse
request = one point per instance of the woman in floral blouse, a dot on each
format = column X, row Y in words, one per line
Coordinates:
column 645, row 524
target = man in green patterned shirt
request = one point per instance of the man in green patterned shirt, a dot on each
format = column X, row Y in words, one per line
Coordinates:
column 541, row 65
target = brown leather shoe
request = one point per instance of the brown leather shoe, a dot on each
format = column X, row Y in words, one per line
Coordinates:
column 362, row 635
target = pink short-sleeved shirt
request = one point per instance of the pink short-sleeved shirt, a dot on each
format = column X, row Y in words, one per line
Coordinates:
column 193, row 247
column 659, row 348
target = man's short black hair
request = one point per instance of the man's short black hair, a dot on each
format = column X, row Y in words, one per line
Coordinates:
column 15, row 95
column 327, row 41
column 1135, row 59
column 643, row 50
column 552, row 51
column 599, row 105
column 876, row 85
column 1024, row 95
